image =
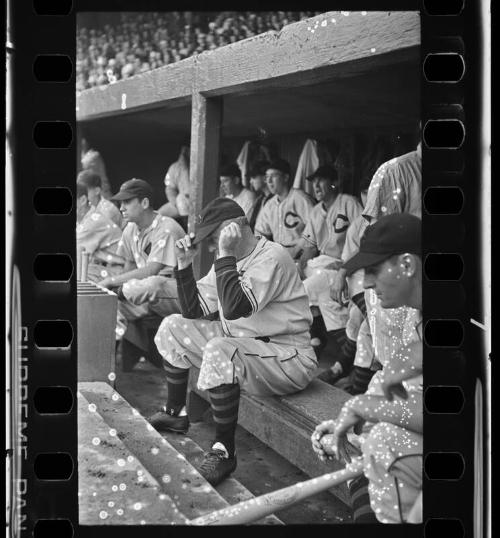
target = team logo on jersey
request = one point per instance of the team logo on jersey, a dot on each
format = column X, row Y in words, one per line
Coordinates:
column 340, row 224
column 292, row 219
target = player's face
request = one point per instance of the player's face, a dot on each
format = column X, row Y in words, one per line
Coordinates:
column 228, row 185
column 323, row 188
column 277, row 181
column 389, row 283
column 132, row 209
column 258, row 183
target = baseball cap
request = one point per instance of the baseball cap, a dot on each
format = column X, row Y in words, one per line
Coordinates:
column 325, row 171
column 134, row 188
column 279, row 164
column 213, row 215
column 393, row 234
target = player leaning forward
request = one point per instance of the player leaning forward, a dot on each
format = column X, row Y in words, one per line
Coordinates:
column 261, row 344
column 392, row 449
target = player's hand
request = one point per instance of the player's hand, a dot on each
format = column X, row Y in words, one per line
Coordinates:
column 229, row 238
column 339, row 288
column 393, row 386
column 185, row 251
column 321, row 432
column 347, row 419
column 108, row 283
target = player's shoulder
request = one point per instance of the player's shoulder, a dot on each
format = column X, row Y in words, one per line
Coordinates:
column 274, row 253
column 348, row 199
column 169, row 225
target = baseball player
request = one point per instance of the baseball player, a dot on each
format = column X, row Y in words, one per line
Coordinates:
column 323, row 240
column 148, row 248
column 92, row 181
column 285, row 215
column 178, row 186
column 98, row 236
column 389, row 253
column 261, row 343
column 231, row 187
column 92, row 160
column 259, row 186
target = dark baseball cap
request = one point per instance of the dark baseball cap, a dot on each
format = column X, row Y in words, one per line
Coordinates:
column 326, row 171
column 213, row 215
column 279, row 164
column 134, row 188
column 398, row 233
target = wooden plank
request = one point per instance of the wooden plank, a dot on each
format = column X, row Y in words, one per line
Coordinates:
column 302, row 48
column 114, row 488
column 193, row 495
column 296, row 55
column 172, row 83
column 205, row 143
column 285, row 423
column 232, row 490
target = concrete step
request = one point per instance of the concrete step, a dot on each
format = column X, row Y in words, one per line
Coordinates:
column 114, row 487
column 285, row 423
column 176, row 477
column 231, row 489
column 168, row 460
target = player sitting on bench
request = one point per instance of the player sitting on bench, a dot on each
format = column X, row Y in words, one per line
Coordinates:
column 390, row 255
column 261, row 344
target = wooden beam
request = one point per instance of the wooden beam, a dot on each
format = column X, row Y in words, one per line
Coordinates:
column 302, row 53
column 171, row 83
column 206, row 125
column 301, row 48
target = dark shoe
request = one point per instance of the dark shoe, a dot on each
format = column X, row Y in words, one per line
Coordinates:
column 162, row 421
column 329, row 377
column 215, row 466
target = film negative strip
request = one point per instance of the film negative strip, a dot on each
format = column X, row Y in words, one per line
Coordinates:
column 43, row 277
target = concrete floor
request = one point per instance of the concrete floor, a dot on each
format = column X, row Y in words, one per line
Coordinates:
column 260, row 469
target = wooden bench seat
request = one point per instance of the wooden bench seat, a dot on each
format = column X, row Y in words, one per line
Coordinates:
column 285, row 423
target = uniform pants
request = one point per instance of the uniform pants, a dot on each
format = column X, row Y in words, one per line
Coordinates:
column 152, row 296
column 259, row 367
column 393, row 465
column 318, row 283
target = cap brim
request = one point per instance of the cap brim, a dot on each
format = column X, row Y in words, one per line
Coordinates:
column 204, row 231
column 361, row 260
column 122, row 196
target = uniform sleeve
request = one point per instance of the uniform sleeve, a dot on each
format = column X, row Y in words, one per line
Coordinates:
column 207, row 293
column 353, row 209
column 125, row 245
column 377, row 194
column 304, row 206
column 171, row 177
column 92, row 234
column 163, row 244
column 188, row 293
column 309, row 234
column 261, row 282
column 263, row 225
column 248, row 203
column 232, row 295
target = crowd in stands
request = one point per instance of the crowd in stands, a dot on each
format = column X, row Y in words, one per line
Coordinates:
column 144, row 41
column 354, row 263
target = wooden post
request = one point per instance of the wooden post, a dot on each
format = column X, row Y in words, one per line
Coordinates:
column 206, row 122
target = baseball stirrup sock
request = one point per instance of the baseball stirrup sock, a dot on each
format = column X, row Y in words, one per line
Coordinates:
column 360, row 501
column 359, row 301
column 177, row 382
column 225, row 402
column 361, row 377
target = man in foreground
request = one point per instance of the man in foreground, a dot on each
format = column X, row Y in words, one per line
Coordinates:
column 392, row 450
column 261, row 343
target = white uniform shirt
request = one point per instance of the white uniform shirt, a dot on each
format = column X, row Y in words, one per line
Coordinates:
column 396, row 187
column 100, row 237
column 285, row 221
column 177, row 177
column 109, row 210
column 245, row 199
column 153, row 244
column 326, row 229
column 280, row 306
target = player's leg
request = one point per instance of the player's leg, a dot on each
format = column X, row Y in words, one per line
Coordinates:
column 181, row 342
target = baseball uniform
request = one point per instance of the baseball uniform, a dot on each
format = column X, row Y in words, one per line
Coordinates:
column 98, row 236
column 177, row 177
column 109, row 210
column 284, row 221
column 326, row 231
column 245, row 199
column 262, row 340
column 155, row 295
column 92, row 160
column 396, row 187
